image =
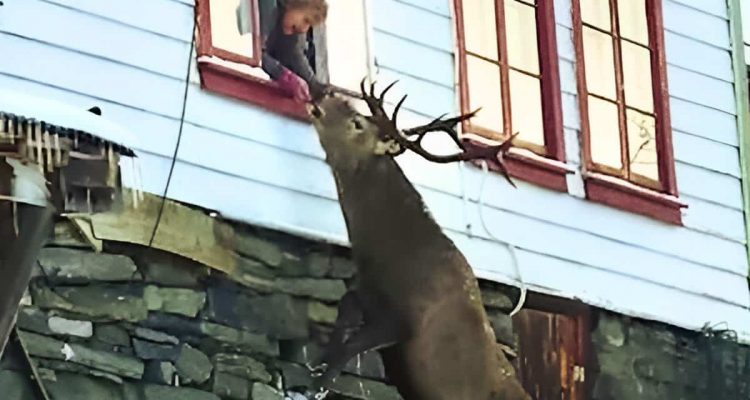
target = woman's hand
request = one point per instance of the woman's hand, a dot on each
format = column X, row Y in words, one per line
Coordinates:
column 294, row 86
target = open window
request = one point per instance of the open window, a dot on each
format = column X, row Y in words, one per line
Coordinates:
column 624, row 105
column 230, row 44
column 507, row 57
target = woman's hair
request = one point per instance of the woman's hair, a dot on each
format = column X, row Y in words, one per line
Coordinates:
column 319, row 8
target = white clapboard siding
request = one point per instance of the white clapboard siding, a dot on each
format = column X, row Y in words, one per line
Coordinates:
column 130, row 58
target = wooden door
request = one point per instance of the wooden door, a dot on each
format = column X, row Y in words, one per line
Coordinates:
column 550, row 355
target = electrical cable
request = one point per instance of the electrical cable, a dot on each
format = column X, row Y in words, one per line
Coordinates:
column 179, row 140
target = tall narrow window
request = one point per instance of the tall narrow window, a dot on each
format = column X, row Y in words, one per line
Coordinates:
column 508, row 68
column 624, row 105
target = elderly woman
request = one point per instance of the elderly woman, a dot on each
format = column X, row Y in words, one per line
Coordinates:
column 283, row 26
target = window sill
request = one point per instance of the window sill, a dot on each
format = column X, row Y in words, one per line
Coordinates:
column 527, row 166
column 241, row 86
column 629, row 197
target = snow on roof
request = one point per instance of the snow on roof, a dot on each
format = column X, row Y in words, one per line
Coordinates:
column 65, row 116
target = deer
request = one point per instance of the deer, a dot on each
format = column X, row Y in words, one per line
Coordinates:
column 415, row 298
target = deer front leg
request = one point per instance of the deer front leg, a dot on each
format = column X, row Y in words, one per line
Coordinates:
column 349, row 318
column 367, row 338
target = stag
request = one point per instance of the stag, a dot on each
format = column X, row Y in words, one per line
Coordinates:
column 415, row 297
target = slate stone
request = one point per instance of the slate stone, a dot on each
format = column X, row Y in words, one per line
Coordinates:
column 63, row 366
column 172, row 324
column 292, row 266
column 77, row 266
column 16, row 386
column 368, row 365
column 494, row 297
column 72, row 386
column 363, row 389
column 254, row 268
column 262, row 391
column 98, row 301
column 320, row 289
column 118, row 364
column 155, row 336
column 241, row 366
column 260, row 249
column 342, row 268
column 159, row 372
column 112, row 334
column 502, row 325
column 69, row 327
column 42, row 346
column 252, row 342
column 279, row 315
column 193, row 365
column 294, row 375
column 154, row 351
column 300, row 351
column 157, row 392
column 167, row 269
column 318, row 264
column 33, row 320
column 230, row 386
column 321, row 313
column 179, row 301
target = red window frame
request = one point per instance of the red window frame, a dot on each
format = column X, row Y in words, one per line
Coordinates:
column 546, row 167
column 225, row 80
column 606, row 185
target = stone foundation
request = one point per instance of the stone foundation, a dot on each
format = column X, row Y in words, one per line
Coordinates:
column 136, row 323
column 140, row 324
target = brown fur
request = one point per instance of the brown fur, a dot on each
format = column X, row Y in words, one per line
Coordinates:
column 412, row 280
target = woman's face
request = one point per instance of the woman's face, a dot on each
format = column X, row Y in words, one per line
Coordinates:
column 297, row 21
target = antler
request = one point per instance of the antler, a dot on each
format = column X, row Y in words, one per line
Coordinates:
column 411, row 139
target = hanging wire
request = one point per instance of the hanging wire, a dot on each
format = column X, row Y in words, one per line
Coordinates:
column 179, row 139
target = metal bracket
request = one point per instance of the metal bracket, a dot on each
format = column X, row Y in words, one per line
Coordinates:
column 579, row 374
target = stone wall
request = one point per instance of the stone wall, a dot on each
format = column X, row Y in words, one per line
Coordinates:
column 635, row 359
column 134, row 323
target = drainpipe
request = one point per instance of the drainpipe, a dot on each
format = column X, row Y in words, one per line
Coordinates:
column 743, row 108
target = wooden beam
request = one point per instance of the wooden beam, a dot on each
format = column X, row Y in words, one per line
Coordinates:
column 183, row 230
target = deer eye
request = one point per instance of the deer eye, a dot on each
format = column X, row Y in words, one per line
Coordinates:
column 357, row 124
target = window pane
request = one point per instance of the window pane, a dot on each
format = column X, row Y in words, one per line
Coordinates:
column 526, row 106
column 642, row 144
column 600, row 63
column 232, row 26
column 636, row 68
column 346, row 39
column 596, row 13
column 523, row 50
column 480, row 29
column 632, row 14
column 484, row 92
column 605, row 133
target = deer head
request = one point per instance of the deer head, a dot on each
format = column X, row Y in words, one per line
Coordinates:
column 350, row 138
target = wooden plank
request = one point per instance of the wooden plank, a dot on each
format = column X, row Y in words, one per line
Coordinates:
column 94, row 76
column 52, row 24
column 683, row 19
column 699, row 57
column 701, row 89
column 708, row 185
column 442, row 7
column 690, row 117
column 633, row 297
column 182, row 230
column 715, row 220
column 713, row 7
column 148, row 15
column 707, row 154
column 398, row 54
column 399, row 18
